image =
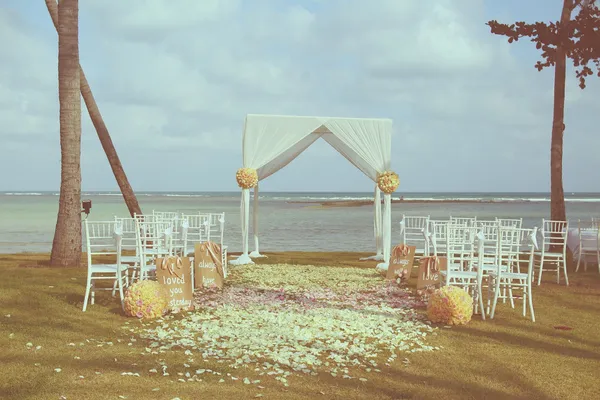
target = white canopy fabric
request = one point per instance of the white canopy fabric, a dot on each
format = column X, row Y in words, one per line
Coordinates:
column 270, row 142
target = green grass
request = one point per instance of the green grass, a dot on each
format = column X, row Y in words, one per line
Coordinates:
column 506, row 358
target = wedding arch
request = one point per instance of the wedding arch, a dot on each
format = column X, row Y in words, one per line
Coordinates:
column 270, row 142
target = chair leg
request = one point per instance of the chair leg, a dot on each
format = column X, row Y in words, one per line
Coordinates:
column 530, row 301
column 115, row 287
column 564, row 262
column 88, row 287
column 496, row 294
column 489, row 296
column 524, row 287
column 512, row 300
column 480, row 300
column 93, row 293
column 578, row 259
column 121, row 296
column 541, row 269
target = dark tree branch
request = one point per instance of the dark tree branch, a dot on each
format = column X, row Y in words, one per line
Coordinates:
column 579, row 38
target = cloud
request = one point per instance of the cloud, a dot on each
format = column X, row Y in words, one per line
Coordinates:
column 176, row 80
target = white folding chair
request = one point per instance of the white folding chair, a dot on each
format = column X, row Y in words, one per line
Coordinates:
column 414, row 232
column 155, row 241
column 196, row 231
column 129, row 242
column 512, row 280
column 104, row 238
column 554, row 236
column 588, row 243
column 462, row 264
column 437, row 237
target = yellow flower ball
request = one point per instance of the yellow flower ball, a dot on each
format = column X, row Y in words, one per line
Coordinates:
column 388, row 182
column 450, row 305
column 246, row 178
column 146, row 299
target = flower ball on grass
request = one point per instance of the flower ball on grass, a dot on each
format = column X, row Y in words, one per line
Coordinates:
column 450, row 305
column 146, row 299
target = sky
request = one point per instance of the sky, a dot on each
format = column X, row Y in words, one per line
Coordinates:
column 175, row 79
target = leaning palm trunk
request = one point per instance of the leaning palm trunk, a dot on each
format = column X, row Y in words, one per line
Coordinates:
column 103, row 134
column 66, row 246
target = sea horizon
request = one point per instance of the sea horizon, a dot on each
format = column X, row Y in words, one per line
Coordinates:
column 289, row 221
column 316, row 195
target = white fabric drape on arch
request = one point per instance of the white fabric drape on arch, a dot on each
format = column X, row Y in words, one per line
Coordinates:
column 270, row 142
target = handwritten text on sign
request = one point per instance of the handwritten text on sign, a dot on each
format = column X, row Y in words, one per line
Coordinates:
column 402, row 258
column 175, row 274
column 429, row 272
column 208, row 269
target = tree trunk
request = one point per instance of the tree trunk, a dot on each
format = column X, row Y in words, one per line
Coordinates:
column 66, row 247
column 557, row 194
column 102, row 131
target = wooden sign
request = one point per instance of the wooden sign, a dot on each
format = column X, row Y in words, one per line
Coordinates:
column 402, row 259
column 429, row 272
column 208, row 266
column 176, row 274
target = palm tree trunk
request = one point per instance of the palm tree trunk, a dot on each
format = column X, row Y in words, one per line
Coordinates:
column 66, row 246
column 557, row 194
column 102, row 131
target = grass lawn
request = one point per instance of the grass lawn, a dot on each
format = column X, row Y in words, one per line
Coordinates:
column 506, row 358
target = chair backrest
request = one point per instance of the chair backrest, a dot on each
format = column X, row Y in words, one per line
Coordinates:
column 155, row 238
column 589, row 234
column 166, row 214
column 215, row 226
column 196, row 231
column 413, row 231
column 554, row 233
column 466, row 221
column 524, row 250
column 484, row 223
column 129, row 232
column 489, row 236
column 438, row 231
column 147, row 217
column 460, row 244
column 510, row 222
column 100, row 239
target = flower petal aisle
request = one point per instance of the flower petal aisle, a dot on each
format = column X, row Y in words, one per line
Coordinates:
column 288, row 318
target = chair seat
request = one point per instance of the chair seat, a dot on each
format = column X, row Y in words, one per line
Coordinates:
column 551, row 254
column 461, row 274
column 511, row 275
column 155, row 251
column 130, row 259
column 488, row 268
column 103, row 268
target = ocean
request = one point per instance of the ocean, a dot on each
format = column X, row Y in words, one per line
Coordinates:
column 288, row 221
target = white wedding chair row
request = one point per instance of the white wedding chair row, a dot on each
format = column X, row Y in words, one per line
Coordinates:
column 163, row 234
column 422, row 231
column 491, row 255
